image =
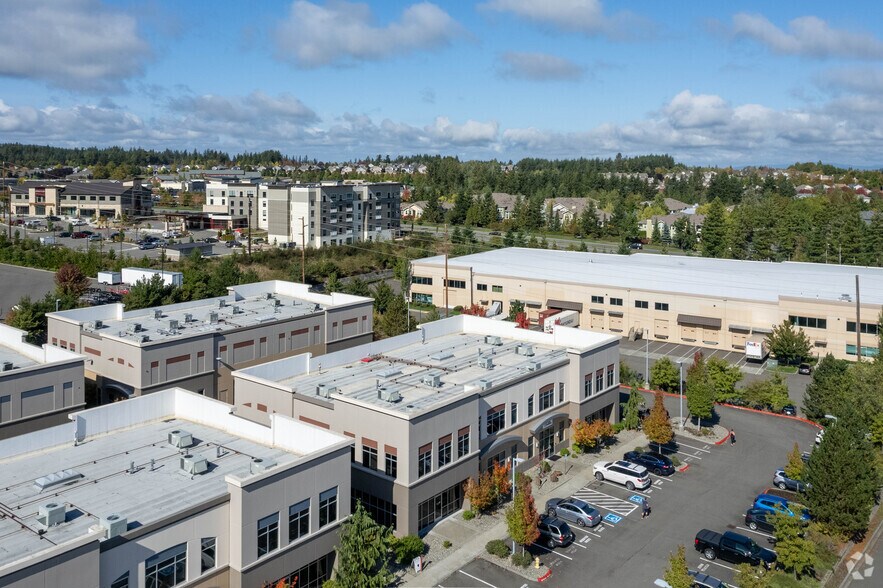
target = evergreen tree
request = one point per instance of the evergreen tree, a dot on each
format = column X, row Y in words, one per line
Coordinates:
column 383, row 296
column 363, row 552
column 748, row 577
column 333, row 284
column 433, row 212
column 657, row 426
column 150, row 293
column 395, row 320
column 522, row 519
column 488, row 214
column 700, row 392
column 790, row 345
column 462, row 203
column 794, row 551
column 841, row 477
column 677, row 575
column 359, row 287
column 714, row 231
column 665, row 375
column 826, row 392
column 657, row 234
column 432, row 315
column 873, row 242
column 795, row 467
column 631, row 409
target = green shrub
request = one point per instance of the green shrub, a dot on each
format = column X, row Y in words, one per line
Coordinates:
column 497, row 547
column 618, row 427
column 468, row 515
column 565, row 452
column 446, row 544
column 674, row 460
column 407, row 548
column 547, row 467
column 639, row 450
column 522, row 560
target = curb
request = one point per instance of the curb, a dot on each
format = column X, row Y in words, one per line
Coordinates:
column 684, row 469
column 723, row 440
column 545, row 576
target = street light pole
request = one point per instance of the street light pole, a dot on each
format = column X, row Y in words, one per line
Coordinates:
column 647, row 365
column 681, row 394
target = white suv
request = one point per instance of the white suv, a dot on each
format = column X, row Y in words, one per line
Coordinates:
column 622, row 472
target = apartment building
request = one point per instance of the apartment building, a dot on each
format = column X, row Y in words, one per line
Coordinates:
column 713, row 303
column 98, row 199
column 236, row 204
column 171, row 489
column 39, row 386
column 429, row 409
column 195, row 345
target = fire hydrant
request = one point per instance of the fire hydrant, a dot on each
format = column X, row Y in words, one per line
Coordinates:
column 536, row 563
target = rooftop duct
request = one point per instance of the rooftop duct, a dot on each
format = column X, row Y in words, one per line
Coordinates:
column 157, row 314
column 524, row 349
column 259, row 465
column 57, row 479
column 486, row 362
column 493, row 340
column 432, row 380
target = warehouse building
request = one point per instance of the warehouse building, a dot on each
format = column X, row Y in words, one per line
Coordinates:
column 430, row 409
column 39, row 386
column 714, row 303
column 171, row 489
column 195, row 345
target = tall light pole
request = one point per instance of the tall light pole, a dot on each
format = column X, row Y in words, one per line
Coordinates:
column 647, row 365
column 681, row 394
column 515, row 461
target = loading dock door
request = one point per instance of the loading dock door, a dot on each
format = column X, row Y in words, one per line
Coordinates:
column 660, row 329
column 598, row 322
column 688, row 333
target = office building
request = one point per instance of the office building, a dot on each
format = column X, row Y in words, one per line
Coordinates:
column 702, row 302
column 39, row 386
column 96, row 199
column 171, row 489
column 429, row 409
column 195, row 345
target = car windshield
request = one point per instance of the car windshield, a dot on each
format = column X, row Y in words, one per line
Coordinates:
column 753, row 547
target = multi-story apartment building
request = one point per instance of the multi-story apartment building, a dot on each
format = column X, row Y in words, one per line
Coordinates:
column 714, row 303
column 429, row 409
column 195, row 345
column 230, row 203
column 39, row 386
column 171, row 489
column 98, row 199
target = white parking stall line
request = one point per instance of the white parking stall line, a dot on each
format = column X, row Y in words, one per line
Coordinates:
column 550, row 551
column 692, row 447
column 688, row 455
column 476, row 579
column 606, row 501
column 580, row 529
column 756, row 532
column 719, row 564
column 578, row 544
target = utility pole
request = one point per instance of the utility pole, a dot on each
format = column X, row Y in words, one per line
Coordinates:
column 447, row 311
column 8, row 199
column 249, row 225
column 858, row 322
column 303, row 250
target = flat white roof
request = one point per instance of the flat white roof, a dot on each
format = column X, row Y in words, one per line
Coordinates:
column 15, row 350
column 720, row 278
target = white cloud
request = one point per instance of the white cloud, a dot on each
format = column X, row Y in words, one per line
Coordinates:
column 343, row 33
column 255, row 109
column 807, row 36
column 538, row 67
column 80, row 45
column 865, row 80
column 586, row 17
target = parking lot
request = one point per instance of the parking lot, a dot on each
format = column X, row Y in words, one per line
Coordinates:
column 713, row 493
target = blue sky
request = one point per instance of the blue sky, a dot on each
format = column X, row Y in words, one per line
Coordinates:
column 712, row 83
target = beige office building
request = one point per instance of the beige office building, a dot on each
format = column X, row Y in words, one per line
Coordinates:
column 195, row 345
column 39, row 386
column 714, row 303
column 98, row 199
column 429, row 409
column 171, row 489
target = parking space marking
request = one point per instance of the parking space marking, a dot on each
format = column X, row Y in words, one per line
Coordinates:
column 689, row 455
column 476, row 579
column 606, row 501
column 585, row 531
column 692, row 447
column 636, row 499
column 550, row 551
column 757, row 532
column 612, row 518
column 719, row 564
column 578, row 544
column 585, row 539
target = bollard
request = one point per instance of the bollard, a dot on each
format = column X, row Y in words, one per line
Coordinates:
column 536, row 562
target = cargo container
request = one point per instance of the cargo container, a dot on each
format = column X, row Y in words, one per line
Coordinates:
column 545, row 314
column 110, row 278
column 132, row 275
column 566, row 318
column 756, row 349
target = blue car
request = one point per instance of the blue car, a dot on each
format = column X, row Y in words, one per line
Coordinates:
column 775, row 504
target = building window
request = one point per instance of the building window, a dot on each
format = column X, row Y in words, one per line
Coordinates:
column 121, row 582
column 168, row 568
column 327, row 507
column 547, row 398
column 463, row 443
column 421, row 280
column 298, row 520
column 867, row 328
column 661, row 306
column 560, row 431
column 529, row 447
column 208, row 553
column 382, row 511
column 496, row 419
column 481, row 287
column 444, row 451
column 530, row 406
column 422, row 298
column 616, row 302
column 597, row 300
column 599, row 381
column 866, row 351
column 369, row 457
column 439, row 506
column 496, row 288
column 455, row 283
column 268, row 534
column 809, row 321
column 424, row 460
column 392, row 465
column 641, row 304
column 560, row 392
column 513, row 413
column 610, row 375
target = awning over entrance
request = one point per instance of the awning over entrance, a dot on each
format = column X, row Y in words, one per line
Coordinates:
column 564, row 304
column 547, row 423
column 699, row 321
column 596, row 311
column 614, row 313
column 740, row 329
column 499, row 443
column 761, row 331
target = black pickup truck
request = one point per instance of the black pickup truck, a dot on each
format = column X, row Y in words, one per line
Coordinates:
column 734, row 548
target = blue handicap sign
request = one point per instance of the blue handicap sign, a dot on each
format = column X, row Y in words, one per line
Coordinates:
column 636, row 499
column 612, row 518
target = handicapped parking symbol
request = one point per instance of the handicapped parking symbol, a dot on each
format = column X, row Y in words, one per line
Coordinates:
column 612, row 518
column 636, row 499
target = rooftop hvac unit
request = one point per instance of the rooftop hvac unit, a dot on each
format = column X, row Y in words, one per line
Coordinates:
column 441, row 355
column 269, row 295
column 493, row 340
column 145, row 338
column 484, row 384
column 388, row 395
column 325, row 390
column 526, row 350
column 277, row 302
column 486, row 363
column 260, row 465
column 533, row 366
column 193, row 465
column 157, row 314
column 96, row 324
column 173, row 325
column 180, row 438
column 135, row 327
column 222, row 303
column 188, row 318
column 236, row 310
column 114, row 525
column 433, row 380
column 51, row 514
column 213, row 318
column 7, row 366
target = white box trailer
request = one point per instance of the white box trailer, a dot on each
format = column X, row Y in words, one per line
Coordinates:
column 756, row 348
column 565, row 318
column 133, row 275
column 110, row 278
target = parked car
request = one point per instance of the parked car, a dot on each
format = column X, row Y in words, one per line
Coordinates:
column 494, row 233
column 635, row 246
column 804, row 369
column 622, row 472
column 819, row 436
column 231, row 244
column 78, row 222
column 652, row 460
column 53, row 218
column 758, row 519
column 554, row 532
column 783, row 482
column 701, row 580
column 573, row 510
column 733, row 547
column 774, row 504
column 146, row 245
column 789, row 410
column 94, row 237
column 210, row 240
column 64, row 234
column 79, row 235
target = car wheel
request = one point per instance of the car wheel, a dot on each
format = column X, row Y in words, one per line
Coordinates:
column 551, row 512
column 781, row 486
column 709, row 554
column 629, row 485
column 551, row 543
column 580, row 522
column 657, row 471
column 752, row 525
column 599, row 476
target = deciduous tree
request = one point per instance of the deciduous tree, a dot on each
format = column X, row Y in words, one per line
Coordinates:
column 795, row 467
column 522, row 519
column 657, row 426
column 700, row 392
column 70, row 281
column 677, row 575
column 790, row 345
column 794, row 552
column 631, row 410
column 723, row 377
column 665, row 375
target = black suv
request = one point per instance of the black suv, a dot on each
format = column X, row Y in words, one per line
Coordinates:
column 554, row 532
column 756, row 520
column 653, row 461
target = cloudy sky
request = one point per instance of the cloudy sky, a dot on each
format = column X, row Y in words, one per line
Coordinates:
column 717, row 83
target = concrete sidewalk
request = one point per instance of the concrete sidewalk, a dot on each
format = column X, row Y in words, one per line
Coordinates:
column 470, row 537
